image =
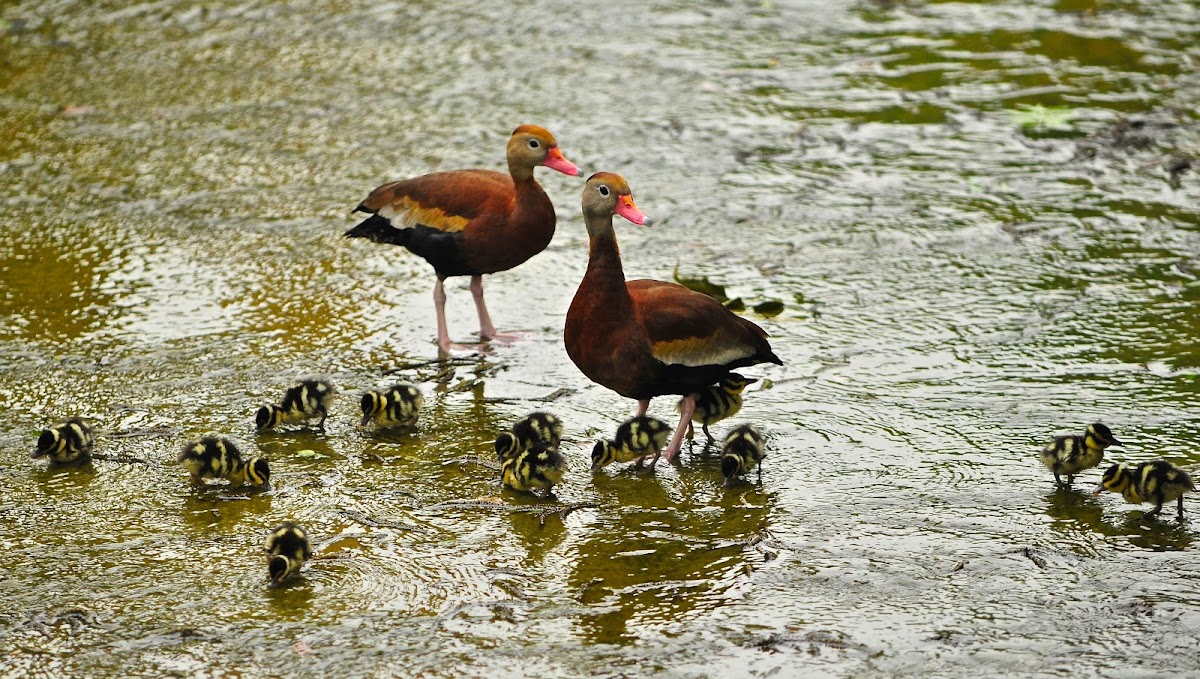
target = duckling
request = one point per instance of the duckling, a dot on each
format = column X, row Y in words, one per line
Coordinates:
column 217, row 457
column 67, row 442
column 287, row 550
column 397, row 406
column 532, row 467
column 302, row 402
column 637, row 438
column 1157, row 481
column 744, row 449
column 715, row 403
column 1072, row 454
column 539, row 426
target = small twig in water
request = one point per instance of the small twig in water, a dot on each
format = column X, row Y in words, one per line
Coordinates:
column 359, row 517
column 548, row 398
column 543, row 512
column 162, row 430
column 449, row 362
column 481, row 461
column 123, row 459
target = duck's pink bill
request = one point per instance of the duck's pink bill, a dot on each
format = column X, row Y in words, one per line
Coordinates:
column 627, row 209
column 556, row 161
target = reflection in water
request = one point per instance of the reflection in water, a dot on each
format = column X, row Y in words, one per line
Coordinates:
column 1075, row 509
column 54, row 282
column 658, row 563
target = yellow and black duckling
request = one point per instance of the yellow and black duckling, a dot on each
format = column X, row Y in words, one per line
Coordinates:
column 743, row 450
column 1070, row 455
column 287, row 550
column 215, row 457
column 305, row 400
column 530, row 467
column 1157, row 481
column 67, row 442
column 539, row 427
column 637, row 438
column 396, row 406
column 722, row 400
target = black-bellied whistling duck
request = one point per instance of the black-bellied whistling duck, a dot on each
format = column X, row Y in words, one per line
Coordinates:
column 646, row 338
column 470, row 222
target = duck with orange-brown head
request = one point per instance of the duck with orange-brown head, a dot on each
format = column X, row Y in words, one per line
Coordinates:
column 646, row 338
column 470, row 222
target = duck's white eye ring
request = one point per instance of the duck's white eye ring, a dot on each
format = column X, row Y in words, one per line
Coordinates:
column 603, row 190
column 533, row 143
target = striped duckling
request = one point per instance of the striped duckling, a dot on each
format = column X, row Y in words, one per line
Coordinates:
column 215, row 457
column 287, row 548
column 396, row 406
column 539, row 427
column 67, row 442
column 743, row 450
column 304, row 401
column 528, row 453
column 637, row 438
column 1157, row 482
column 1071, row 454
column 532, row 467
column 718, row 402
column 535, row 428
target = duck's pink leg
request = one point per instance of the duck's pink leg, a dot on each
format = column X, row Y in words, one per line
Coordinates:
column 445, row 346
column 486, row 329
column 686, row 408
column 643, row 406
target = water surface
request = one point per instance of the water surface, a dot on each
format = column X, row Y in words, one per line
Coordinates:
column 959, row 283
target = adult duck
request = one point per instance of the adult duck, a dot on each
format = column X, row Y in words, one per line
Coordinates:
column 470, row 222
column 647, row 338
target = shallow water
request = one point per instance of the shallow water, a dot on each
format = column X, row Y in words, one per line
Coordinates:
column 957, row 288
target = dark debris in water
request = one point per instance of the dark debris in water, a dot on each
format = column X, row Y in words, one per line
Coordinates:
column 370, row 522
column 703, row 285
column 812, row 642
column 1158, row 134
column 495, row 503
column 73, row 620
column 768, row 308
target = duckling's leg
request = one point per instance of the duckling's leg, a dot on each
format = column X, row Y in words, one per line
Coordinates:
column 691, row 431
column 1157, row 509
column 1070, row 480
column 706, row 433
column 760, row 474
column 653, row 460
column 1057, row 481
column 1180, row 506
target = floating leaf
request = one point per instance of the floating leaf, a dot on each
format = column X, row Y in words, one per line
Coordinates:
column 1036, row 115
column 799, row 297
column 765, row 384
column 769, row 308
column 702, row 284
column 310, row 453
column 735, row 304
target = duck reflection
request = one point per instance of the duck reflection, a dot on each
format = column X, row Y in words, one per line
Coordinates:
column 675, row 547
column 1076, row 509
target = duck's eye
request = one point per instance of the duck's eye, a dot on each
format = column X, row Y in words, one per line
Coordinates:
column 533, row 143
column 604, row 190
